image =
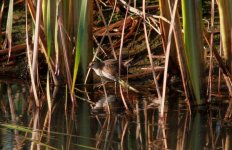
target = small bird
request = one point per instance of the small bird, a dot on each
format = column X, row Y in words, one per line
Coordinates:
column 109, row 69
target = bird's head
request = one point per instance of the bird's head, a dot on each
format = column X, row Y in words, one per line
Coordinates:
column 94, row 65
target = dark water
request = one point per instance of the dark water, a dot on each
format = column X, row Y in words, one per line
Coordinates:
column 24, row 127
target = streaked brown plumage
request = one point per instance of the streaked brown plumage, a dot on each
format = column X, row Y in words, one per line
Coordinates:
column 108, row 69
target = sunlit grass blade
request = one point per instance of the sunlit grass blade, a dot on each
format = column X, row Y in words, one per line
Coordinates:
column 44, row 12
column 49, row 31
column 49, row 101
column 225, row 13
column 56, row 45
column 9, row 25
column 36, row 39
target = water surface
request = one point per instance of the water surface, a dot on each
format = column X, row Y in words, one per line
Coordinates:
column 24, row 127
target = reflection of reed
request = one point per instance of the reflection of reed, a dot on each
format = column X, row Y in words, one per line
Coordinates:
column 123, row 135
column 12, row 106
column 182, row 128
column 47, row 126
column 229, row 110
column 35, row 136
column 106, row 132
column 13, row 116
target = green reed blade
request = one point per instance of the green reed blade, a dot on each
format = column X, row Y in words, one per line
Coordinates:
column 49, row 31
column 194, row 47
column 82, row 37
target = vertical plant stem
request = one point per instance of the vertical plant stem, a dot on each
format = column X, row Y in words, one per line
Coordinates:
column 219, row 71
column 68, row 73
column 211, row 53
column 36, row 39
column 225, row 14
column 167, row 58
column 30, row 65
column 49, row 100
column 149, row 53
column 192, row 23
column 180, row 52
column 120, row 57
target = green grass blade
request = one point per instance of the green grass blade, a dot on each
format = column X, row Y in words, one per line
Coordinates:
column 124, row 84
column 49, row 31
column 25, row 129
column 193, row 46
column 81, row 48
column 16, row 127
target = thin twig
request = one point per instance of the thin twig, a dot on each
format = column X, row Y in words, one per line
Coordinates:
column 120, row 57
column 149, row 53
column 107, row 30
column 211, row 53
column 68, row 72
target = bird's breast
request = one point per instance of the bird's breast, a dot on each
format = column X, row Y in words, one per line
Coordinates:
column 97, row 71
column 109, row 76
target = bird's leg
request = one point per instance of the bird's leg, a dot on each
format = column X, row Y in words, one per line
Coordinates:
column 102, row 83
column 106, row 99
column 99, row 85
